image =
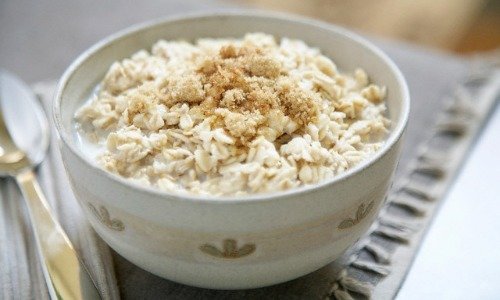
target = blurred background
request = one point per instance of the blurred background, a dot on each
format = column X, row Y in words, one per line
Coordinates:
column 39, row 38
column 461, row 26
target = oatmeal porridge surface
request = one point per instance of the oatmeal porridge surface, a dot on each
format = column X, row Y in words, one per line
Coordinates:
column 232, row 116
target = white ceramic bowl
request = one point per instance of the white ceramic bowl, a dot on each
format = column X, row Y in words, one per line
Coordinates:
column 231, row 243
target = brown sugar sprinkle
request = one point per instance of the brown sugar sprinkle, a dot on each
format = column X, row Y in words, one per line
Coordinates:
column 243, row 80
column 242, row 125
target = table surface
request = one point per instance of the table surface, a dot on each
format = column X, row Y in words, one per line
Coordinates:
column 38, row 41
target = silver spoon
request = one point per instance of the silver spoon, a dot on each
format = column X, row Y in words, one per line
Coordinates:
column 24, row 139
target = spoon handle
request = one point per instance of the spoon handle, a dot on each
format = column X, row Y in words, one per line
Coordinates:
column 66, row 276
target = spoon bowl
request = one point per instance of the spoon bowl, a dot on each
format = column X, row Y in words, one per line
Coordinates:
column 24, row 129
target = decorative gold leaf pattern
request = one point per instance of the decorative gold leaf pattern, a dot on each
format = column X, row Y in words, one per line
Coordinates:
column 229, row 249
column 361, row 213
column 103, row 216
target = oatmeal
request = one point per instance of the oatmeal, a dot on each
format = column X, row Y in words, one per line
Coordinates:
column 230, row 117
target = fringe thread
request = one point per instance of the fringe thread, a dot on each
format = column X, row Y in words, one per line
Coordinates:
column 379, row 253
column 345, row 285
column 394, row 234
column 418, row 190
column 371, row 267
column 416, row 208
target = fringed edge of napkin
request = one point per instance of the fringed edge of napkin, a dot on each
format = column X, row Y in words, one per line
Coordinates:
column 437, row 163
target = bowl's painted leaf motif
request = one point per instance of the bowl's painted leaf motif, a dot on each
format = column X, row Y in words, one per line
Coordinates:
column 346, row 224
column 229, row 249
column 361, row 213
column 103, row 216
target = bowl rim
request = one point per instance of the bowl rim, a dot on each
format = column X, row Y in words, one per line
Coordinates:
column 395, row 134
